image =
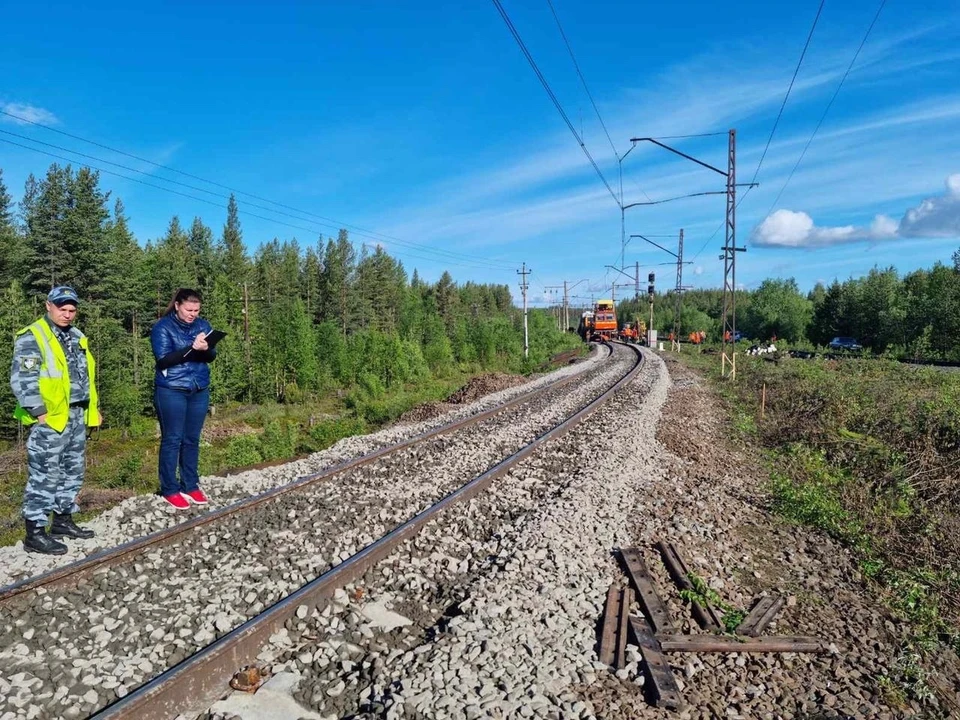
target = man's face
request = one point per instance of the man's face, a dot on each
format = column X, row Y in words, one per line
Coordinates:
column 62, row 315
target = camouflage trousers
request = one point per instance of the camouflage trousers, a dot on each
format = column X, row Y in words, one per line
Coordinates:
column 55, row 465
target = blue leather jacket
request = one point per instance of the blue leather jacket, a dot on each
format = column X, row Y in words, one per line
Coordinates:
column 171, row 335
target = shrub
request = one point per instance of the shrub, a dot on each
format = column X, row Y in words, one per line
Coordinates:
column 243, row 450
column 279, row 440
column 327, row 432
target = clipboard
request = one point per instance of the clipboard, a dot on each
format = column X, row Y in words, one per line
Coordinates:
column 214, row 336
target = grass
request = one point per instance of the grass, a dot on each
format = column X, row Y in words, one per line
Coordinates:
column 867, row 452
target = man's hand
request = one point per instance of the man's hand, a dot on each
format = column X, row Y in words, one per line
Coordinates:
column 42, row 419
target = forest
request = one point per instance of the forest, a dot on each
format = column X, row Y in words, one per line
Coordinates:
column 307, row 320
column 913, row 316
column 303, row 321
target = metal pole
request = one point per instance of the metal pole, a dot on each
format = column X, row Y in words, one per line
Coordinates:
column 566, row 308
column 246, row 340
column 623, row 230
column 677, row 301
column 729, row 257
column 523, row 287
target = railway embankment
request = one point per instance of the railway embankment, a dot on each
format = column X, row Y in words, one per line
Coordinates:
column 862, row 458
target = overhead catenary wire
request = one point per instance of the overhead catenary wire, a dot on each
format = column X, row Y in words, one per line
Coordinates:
column 332, row 222
column 553, row 97
column 312, row 230
column 829, row 105
column 773, row 130
column 796, row 71
column 583, row 80
column 445, row 255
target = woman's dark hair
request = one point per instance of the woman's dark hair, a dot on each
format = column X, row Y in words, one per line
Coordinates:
column 182, row 295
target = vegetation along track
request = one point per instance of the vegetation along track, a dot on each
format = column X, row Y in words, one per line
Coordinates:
column 83, row 639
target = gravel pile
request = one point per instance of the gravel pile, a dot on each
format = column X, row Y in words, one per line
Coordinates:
column 144, row 514
column 481, row 385
column 128, row 623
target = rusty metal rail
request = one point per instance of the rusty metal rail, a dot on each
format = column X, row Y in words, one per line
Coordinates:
column 114, row 555
column 199, row 679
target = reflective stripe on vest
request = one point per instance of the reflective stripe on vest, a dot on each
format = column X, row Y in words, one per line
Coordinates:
column 54, row 380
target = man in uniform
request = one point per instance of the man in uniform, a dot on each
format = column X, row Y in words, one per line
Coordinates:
column 53, row 379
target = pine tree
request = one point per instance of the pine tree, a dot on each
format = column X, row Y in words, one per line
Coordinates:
column 13, row 249
column 16, row 312
column 200, row 245
column 176, row 266
column 233, row 255
column 85, row 229
column 310, row 282
column 336, row 276
column 45, row 206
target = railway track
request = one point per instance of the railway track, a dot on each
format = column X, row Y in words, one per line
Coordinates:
column 141, row 630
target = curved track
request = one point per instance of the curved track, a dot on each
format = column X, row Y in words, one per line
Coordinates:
column 298, row 543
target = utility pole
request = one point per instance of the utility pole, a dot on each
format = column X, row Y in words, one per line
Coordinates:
column 567, row 287
column 246, row 341
column 523, row 287
column 556, row 310
column 636, row 281
column 730, row 249
column 677, row 304
column 651, row 333
column 566, row 307
column 729, row 257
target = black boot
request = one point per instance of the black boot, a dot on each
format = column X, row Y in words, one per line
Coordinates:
column 38, row 541
column 64, row 526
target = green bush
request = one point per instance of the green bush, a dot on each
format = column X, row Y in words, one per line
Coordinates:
column 243, row 450
column 327, row 432
column 142, row 427
column 279, row 440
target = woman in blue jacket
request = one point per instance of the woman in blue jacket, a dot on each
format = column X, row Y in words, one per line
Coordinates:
column 181, row 395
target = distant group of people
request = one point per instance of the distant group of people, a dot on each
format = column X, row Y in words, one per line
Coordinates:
column 53, row 377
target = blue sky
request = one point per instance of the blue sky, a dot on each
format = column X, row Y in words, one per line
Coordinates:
column 423, row 123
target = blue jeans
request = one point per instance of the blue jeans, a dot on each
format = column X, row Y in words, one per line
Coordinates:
column 181, row 414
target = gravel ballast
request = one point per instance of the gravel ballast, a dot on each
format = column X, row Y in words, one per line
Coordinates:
column 127, row 623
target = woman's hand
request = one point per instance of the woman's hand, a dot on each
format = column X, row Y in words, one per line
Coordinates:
column 200, row 342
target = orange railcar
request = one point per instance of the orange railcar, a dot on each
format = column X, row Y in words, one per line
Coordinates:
column 604, row 321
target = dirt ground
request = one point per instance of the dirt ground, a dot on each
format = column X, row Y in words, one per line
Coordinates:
column 718, row 515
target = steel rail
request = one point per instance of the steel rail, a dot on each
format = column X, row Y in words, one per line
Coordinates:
column 112, row 556
column 202, row 677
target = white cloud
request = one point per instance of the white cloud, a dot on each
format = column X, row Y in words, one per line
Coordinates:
column 935, row 217
column 27, row 114
column 698, row 270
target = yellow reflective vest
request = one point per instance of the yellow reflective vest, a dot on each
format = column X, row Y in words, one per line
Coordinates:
column 54, row 380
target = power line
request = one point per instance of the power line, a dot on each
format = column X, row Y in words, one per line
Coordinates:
column 553, row 98
column 789, row 88
column 453, row 261
column 773, row 130
column 332, row 222
column 829, row 104
column 444, row 254
column 583, row 80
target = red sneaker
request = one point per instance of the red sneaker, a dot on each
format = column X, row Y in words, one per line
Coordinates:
column 177, row 500
column 196, row 497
